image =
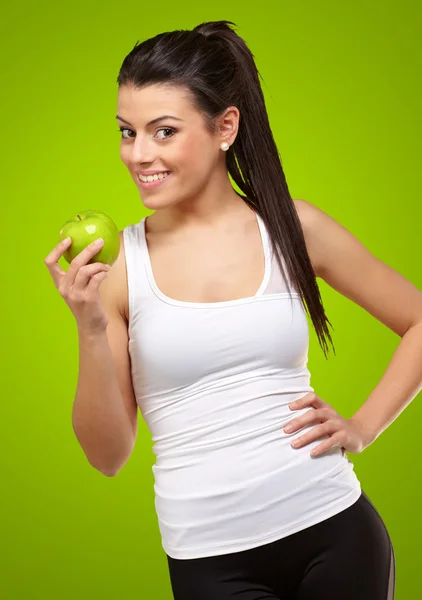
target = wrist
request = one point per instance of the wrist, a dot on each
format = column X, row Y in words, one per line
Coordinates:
column 92, row 335
column 367, row 435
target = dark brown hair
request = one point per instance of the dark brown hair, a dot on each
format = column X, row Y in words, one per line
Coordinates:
column 216, row 66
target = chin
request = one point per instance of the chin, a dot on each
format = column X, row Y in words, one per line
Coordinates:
column 153, row 202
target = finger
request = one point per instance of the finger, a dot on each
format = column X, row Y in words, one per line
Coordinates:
column 52, row 261
column 82, row 259
column 311, row 399
column 324, row 447
column 311, row 416
column 95, row 281
column 85, row 274
column 333, row 441
column 311, row 436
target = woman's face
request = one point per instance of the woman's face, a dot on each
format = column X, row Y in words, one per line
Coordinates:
column 180, row 145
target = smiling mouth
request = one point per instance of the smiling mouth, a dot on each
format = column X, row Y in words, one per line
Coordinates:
column 154, row 182
column 151, row 178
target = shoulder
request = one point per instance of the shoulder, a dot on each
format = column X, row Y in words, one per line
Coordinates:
column 350, row 268
column 306, row 210
column 312, row 220
column 307, row 213
column 331, row 247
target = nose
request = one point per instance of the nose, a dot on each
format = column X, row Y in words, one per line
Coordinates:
column 142, row 151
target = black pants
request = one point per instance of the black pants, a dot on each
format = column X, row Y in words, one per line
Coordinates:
column 346, row 557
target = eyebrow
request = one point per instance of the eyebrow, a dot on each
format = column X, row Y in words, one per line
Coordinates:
column 153, row 121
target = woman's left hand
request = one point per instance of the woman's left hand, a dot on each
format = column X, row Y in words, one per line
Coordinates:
column 348, row 434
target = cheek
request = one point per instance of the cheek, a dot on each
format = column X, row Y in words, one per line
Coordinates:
column 194, row 153
column 186, row 154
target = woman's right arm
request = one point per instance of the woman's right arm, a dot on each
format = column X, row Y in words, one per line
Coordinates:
column 104, row 415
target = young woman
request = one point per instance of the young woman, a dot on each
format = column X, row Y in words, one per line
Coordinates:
column 201, row 322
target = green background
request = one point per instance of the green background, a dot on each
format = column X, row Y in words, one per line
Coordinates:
column 343, row 91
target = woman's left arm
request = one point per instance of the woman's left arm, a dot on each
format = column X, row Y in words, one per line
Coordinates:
column 400, row 384
column 347, row 266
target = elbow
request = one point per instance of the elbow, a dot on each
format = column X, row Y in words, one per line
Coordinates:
column 111, row 470
column 108, row 463
column 110, row 473
column 105, row 470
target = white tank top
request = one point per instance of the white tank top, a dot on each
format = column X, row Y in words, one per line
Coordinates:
column 213, row 382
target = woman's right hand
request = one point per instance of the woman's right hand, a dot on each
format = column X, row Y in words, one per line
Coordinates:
column 79, row 285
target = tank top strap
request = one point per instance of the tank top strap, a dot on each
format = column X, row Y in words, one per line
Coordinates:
column 138, row 266
column 274, row 280
column 136, row 261
column 264, row 233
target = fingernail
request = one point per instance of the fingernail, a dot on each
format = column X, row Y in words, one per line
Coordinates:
column 65, row 241
column 288, row 428
column 99, row 242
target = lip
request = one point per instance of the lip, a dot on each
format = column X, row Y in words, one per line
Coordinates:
column 152, row 184
column 152, row 172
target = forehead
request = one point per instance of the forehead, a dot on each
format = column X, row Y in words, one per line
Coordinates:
column 152, row 101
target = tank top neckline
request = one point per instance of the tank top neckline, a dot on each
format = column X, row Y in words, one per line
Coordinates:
column 267, row 273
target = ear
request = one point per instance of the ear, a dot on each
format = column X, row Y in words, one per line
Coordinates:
column 228, row 125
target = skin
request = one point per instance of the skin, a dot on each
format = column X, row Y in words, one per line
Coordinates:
column 201, row 205
column 201, row 199
column 201, row 196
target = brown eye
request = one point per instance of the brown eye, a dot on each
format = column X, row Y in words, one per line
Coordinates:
column 173, row 131
column 166, row 129
column 122, row 129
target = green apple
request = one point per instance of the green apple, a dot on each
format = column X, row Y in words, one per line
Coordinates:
column 84, row 228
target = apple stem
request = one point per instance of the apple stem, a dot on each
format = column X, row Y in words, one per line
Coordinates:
column 79, row 217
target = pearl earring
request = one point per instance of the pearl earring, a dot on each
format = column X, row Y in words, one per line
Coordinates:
column 225, row 146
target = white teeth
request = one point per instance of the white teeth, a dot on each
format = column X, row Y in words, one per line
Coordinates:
column 155, row 177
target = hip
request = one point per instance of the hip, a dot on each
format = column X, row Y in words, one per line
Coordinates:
column 202, row 522
column 349, row 555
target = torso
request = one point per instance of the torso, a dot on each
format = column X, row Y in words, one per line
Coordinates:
column 205, row 268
